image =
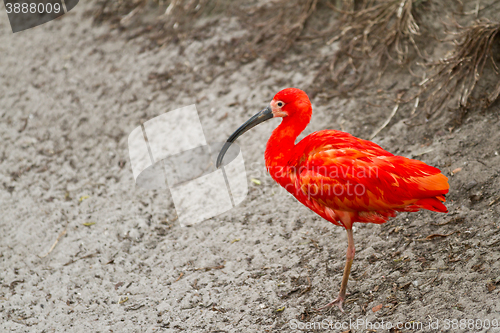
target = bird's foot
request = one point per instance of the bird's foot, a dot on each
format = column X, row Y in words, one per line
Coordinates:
column 338, row 301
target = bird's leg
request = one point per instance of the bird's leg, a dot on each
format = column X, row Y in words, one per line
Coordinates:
column 347, row 270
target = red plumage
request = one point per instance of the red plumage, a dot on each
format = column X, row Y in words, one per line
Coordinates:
column 340, row 177
column 345, row 179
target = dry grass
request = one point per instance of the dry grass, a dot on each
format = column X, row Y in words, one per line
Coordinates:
column 382, row 28
column 457, row 75
column 167, row 21
column 115, row 11
column 122, row 11
column 275, row 26
column 372, row 32
column 378, row 28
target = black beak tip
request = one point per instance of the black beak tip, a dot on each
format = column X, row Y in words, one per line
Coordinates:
column 223, row 151
column 260, row 117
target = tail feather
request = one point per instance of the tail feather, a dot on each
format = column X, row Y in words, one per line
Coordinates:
column 433, row 204
column 435, row 185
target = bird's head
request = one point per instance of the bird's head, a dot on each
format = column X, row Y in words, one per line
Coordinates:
column 291, row 104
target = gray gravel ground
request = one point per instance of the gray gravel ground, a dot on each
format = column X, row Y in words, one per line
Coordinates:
column 72, row 92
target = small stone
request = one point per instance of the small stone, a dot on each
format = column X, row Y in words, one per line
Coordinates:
column 470, row 185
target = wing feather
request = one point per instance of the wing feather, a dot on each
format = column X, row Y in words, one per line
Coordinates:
column 344, row 173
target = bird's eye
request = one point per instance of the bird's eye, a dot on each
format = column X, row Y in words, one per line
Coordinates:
column 280, row 104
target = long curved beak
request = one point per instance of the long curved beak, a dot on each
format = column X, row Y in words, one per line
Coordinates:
column 260, row 117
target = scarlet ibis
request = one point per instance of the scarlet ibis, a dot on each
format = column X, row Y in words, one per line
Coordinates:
column 340, row 177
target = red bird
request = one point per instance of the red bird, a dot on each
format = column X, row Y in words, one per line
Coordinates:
column 340, row 177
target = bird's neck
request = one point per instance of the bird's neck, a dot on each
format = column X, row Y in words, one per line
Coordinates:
column 281, row 144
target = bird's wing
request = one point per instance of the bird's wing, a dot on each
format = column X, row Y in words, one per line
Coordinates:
column 331, row 139
column 349, row 174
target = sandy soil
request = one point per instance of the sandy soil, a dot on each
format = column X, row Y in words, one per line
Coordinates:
column 72, row 92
